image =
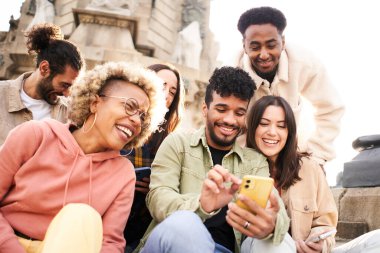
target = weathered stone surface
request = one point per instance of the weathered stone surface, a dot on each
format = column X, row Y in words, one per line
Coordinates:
column 338, row 193
column 349, row 230
column 358, row 210
column 361, row 205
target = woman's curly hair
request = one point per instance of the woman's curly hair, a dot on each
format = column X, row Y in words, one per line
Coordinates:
column 93, row 82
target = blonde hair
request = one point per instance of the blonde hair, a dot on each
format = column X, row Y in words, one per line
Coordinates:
column 85, row 88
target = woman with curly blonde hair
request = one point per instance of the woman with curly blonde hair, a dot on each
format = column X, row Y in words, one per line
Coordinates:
column 68, row 189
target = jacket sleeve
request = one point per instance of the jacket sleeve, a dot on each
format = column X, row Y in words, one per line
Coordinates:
column 282, row 222
column 164, row 196
column 12, row 156
column 326, row 217
column 115, row 218
column 329, row 109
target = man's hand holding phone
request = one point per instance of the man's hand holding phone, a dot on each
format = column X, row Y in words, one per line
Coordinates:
column 256, row 222
column 251, row 215
column 218, row 189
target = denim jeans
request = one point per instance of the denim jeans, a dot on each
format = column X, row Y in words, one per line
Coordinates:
column 184, row 232
column 181, row 232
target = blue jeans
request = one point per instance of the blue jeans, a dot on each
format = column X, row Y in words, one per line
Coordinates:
column 221, row 249
column 182, row 232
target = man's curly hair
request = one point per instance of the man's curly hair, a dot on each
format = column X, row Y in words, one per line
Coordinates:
column 261, row 16
column 227, row 81
column 95, row 81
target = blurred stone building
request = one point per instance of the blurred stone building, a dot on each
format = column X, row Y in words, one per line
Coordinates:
column 140, row 31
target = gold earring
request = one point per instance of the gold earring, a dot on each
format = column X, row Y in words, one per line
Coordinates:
column 92, row 125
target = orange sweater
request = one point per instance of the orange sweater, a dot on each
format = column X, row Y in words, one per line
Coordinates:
column 42, row 168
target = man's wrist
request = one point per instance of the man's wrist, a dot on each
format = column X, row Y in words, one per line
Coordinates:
column 205, row 212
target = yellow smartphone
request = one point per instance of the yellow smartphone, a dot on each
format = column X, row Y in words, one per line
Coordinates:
column 256, row 188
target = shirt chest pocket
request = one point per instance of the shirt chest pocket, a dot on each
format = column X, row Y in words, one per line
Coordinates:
column 302, row 215
column 192, row 179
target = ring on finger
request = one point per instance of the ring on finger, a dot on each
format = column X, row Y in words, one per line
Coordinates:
column 246, row 224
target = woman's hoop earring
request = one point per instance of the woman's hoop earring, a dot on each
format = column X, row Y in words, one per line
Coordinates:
column 127, row 154
column 92, row 125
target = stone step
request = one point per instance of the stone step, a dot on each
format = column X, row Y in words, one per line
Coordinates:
column 348, row 230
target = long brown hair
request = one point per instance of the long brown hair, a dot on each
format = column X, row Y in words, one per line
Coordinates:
column 174, row 114
column 288, row 162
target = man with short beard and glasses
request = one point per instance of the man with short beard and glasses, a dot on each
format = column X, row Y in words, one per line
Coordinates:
column 195, row 176
column 290, row 72
column 38, row 95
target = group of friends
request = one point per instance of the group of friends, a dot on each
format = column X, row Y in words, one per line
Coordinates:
column 70, row 140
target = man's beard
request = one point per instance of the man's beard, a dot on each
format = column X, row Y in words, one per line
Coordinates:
column 219, row 141
column 46, row 91
column 269, row 76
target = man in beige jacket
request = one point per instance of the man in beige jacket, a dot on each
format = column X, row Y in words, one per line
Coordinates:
column 290, row 72
column 38, row 95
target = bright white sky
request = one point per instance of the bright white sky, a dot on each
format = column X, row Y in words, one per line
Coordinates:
column 344, row 34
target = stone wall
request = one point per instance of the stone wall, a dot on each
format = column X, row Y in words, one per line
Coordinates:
column 358, row 210
column 162, row 28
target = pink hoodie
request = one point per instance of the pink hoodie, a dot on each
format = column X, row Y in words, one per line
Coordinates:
column 42, row 168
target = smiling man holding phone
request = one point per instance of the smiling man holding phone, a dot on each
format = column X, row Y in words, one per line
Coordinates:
column 196, row 175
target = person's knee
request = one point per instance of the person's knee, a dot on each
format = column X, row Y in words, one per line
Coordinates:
column 255, row 245
column 183, row 219
column 182, row 231
column 80, row 211
column 180, row 224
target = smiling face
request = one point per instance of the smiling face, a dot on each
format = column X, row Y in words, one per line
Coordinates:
column 263, row 44
column 170, row 85
column 114, row 128
column 271, row 133
column 49, row 88
column 225, row 118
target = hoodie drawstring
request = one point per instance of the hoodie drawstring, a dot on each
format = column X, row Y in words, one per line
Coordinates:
column 90, row 183
column 68, row 178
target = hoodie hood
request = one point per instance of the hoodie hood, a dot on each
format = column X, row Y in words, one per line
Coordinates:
column 68, row 142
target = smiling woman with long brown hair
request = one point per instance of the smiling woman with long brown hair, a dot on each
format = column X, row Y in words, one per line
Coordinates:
column 298, row 178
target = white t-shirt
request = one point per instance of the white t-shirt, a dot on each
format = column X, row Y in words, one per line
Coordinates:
column 40, row 108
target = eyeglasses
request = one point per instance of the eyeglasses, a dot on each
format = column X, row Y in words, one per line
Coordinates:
column 131, row 107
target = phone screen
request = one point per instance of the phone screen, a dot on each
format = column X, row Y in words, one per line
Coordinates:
column 321, row 236
column 142, row 172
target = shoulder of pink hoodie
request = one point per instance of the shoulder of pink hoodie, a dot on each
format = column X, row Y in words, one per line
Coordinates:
column 50, row 170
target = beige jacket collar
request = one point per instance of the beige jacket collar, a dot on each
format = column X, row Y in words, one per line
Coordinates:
column 14, row 99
